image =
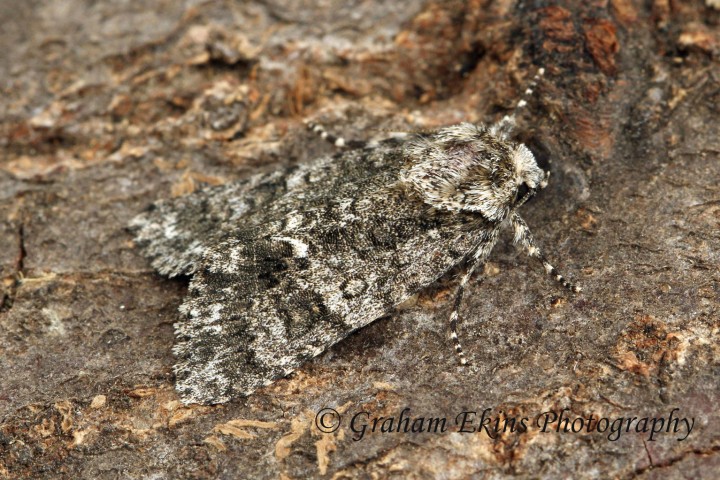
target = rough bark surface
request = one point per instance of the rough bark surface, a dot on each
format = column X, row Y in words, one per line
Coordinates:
column 107, row 106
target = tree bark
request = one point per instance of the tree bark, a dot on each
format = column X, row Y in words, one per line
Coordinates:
column 108, row 107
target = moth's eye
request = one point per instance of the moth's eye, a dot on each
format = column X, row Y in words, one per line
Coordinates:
column 522, row 190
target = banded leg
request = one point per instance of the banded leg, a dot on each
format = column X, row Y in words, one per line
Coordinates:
column 339, row 142
column 455, row 315
column 524, row 238
column 477, row 259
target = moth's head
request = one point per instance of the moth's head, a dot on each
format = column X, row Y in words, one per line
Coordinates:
column 529, row 177
column 466, row 168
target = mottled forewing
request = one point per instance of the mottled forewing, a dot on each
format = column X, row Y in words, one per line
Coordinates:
column 174, row 233
column 266, row 298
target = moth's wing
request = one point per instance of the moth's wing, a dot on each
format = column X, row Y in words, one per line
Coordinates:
column 265, row 299
column 174, row 232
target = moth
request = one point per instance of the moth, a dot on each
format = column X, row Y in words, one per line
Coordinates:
column 288, row 263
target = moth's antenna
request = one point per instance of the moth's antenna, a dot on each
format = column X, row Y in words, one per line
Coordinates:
column 506, row 125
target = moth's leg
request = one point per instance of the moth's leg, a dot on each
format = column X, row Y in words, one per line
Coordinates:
column 477, row 259
column 339, row 142
column 524, row 238
column 455, row 315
